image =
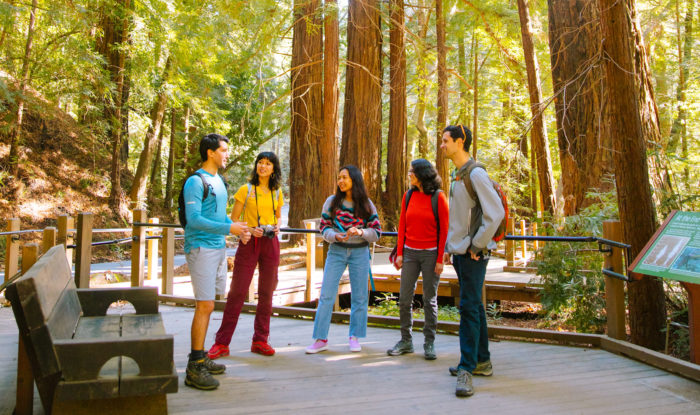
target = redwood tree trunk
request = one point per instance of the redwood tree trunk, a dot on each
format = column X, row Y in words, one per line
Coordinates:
column 329, row 142
column 155, row 188
column 307, row 129
column 138, row 187
column 396, row 140
column 362, row 124
column 168, row 202
column 647, row 309
column 475, row 83
column 540, row 149
column 579, row 82
column 440, row 159
column 423, row 17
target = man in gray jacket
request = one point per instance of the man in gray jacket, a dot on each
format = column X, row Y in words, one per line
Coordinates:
column 473, row 222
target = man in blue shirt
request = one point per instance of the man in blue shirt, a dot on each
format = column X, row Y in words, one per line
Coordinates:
column 205, row 250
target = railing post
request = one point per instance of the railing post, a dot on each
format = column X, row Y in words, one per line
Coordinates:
column 614, row 288
column 83, row 252
column 24, row 397
column 48, row 239
column 168, row 264
column 138, row 248
column 535, row 243
column 65, row 235
column 310, row 259
column 523, row 232
column 510, row 244
column 152, row 251
column 11, row 249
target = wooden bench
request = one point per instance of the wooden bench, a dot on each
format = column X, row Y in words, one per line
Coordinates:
column 83, row 360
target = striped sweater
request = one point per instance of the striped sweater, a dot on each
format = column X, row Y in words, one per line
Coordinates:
column 345, row 219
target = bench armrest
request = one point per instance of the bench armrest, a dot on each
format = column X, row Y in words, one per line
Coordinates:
column 95, row 301
column 83, row 359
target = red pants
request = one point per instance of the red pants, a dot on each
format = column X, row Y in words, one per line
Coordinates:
column 264, row 252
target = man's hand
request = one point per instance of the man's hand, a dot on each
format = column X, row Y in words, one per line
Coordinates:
column 341, row 237
column 446, row 259
column 398, row 263
column 438, row 268
column 240, row 229
column 474, row 256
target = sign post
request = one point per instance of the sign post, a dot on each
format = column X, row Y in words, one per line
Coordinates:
column 674, row 253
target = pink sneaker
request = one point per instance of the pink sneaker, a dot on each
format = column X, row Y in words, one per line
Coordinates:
column 318, row 346
column 355, row 344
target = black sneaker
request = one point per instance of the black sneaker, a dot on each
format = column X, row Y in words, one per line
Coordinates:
column 429, row 349
column 213, row 368
column 464, row 384
column 198, row 376
column 481, row 369
column 401, row 347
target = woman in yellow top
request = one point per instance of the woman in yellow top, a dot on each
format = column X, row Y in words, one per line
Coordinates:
column 260, row 201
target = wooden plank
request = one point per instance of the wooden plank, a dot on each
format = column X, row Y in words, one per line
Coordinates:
column 11, row 249
column 48, row 239
column 64, row 316
column 95, row 302
column 25, row 378
column 138, row 248
column 98, row 328
column 83, row 251
column 142, row 325
column 65, row 235
column 167, row 265
column 614, row 288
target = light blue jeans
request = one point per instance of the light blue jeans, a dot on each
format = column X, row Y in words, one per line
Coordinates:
column 357, row 262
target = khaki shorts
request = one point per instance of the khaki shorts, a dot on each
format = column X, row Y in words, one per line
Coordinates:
column 208, row 270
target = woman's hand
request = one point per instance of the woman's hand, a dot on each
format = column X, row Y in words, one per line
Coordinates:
column 341, row 237
column 354, row 232
column 398, row 263
column 438, row 268
column 256, row 232
column 277, row 230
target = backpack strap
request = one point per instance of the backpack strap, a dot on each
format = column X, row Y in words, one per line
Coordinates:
column 465, row 176
column 205, row 184
column 408, row 198
column 434, row 201
column 245, row 202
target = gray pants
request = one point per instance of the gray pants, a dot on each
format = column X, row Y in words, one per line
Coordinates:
column 416, row 262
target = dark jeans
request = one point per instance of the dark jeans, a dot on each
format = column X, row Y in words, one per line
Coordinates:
column 473, row 334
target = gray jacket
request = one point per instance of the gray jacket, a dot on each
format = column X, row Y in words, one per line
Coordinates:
column 471, row 225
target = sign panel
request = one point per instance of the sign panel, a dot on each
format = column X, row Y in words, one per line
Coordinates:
column 674, row 251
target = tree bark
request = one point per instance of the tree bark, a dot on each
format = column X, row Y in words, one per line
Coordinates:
column 423, row 17
column 647, row 309
column 168, row 202
column 155, row 189
column 16, row 135
column 685, row 47
column 362, row 124
column 185, row 139
column 462, row 70
column 138, row 188
column 440, row 159
column 475, row 83
column 329, row 142
column 579, row 85
column 540, row 148
column 307, row 129
column 396, row 140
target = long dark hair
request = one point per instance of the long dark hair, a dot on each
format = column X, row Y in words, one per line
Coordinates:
column 427, row 175
column 275, row 177
column 363, row 210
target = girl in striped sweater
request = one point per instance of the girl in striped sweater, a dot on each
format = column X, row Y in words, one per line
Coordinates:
column 349, row 223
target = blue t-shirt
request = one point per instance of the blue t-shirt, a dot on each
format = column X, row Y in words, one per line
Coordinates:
column 207, row 222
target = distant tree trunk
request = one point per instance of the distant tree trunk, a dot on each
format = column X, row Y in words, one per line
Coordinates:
column 8, row 25
column 168, row 202
column 396, row 140
column 462, row 70
column 423, row 17
column 647, row 310
column 579, row 85
column 186, row 139
column 307, row 129
column 115, row 32
column 540, row 147
column 329, row 142
column 685, row 47
column 475, row 84
column 155, row 189
column 124, row 152
column 362, row 124
column 440, row 160
column 24, row 82
column 138, row 188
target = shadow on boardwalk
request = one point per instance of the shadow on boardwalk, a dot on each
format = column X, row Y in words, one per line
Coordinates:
column 529, row 377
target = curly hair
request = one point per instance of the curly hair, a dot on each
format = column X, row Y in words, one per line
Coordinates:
column 427, row 175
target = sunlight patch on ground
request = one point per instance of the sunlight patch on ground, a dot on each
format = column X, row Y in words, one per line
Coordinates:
column 38, row 210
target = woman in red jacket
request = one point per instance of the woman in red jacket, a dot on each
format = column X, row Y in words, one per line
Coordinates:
column 421, row 243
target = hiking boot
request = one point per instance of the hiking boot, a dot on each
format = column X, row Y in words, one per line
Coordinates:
column 213, row 368
column 481, row 369
column 464, row 384
column 218, row 350
column 262, row 348
column 354, row 344
column 317, row 346
column 401, row 347
column 198, row 376
column 429, row 351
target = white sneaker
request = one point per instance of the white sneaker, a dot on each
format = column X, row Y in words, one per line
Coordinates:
column 317, row 346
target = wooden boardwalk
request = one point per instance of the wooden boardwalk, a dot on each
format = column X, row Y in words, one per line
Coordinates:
column 529, row 378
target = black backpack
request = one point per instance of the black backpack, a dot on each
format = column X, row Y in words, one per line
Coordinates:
column 181, row 213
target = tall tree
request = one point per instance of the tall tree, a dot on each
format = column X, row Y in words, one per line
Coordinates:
column 307, row 129
column 362, row 116
column 155, row 188
column 329, row 143
column 423, row 17
column 16, row 134
column 396, row 140
column 440, row 159
column 168, row 202
column 646, row 296
column 540, row 149
column 685, row 47
column 138, row 188
column 475, row 105
column 579, row 82
column 112, row 44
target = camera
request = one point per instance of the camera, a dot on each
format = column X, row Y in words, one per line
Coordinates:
column 268, row 230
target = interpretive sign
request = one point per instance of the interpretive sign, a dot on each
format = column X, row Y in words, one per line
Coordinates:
column 674, row 250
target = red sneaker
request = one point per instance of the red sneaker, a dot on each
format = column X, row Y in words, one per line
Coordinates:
column 262, row 348
column 218, row 350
